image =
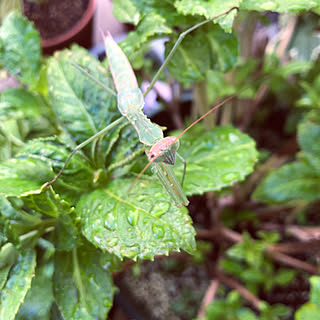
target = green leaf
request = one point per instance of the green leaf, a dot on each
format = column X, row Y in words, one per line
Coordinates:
column 77, row 177
column 13, row 211
column 82, row 288
column 164, row 9
column 48, row 203
column 8, row 255
column 224, row 49
column 19, row 103
column 142, row 224
column 39, row 298
column 185, row 65
column 215, row 159
column 308, row 134
column 80, row 104
column 294, row 182
column 126, row 11
column 279, row 5
column 151, row 25
column 315, row 290
column 305, row 39
column 311, row 309
column 20, row 49
column 308, row 311
column 24, row 176
column 209, row 9
column 19, row 282
column 205, row 49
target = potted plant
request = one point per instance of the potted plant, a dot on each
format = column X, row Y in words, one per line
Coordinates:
column 61, row 22
column 60, row 247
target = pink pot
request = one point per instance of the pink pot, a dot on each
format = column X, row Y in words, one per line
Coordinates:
column 80, row 33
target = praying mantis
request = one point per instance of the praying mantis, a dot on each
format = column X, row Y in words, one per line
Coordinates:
column 162, row 151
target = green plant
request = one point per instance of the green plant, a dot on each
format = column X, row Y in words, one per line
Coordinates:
column 75, row 234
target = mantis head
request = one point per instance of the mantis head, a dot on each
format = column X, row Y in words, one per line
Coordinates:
column 164, row 150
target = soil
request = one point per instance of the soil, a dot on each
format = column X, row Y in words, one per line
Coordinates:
column 163, row 289
column 54, row 17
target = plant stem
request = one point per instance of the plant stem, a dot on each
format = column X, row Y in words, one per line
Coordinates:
column 208, row 297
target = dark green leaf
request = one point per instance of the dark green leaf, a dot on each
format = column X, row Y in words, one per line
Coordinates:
column 142, row 224
column 224, row 49
column 294, row 182
column 186, row 65
column 20, row 49
column 125, row 148
column 207, row 48
column 215, row 159
column 19, row 282
column 82, row 288
column 39, row 298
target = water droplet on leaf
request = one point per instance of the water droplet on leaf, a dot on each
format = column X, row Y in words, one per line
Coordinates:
column 113, row 242
column 158, row 231
column 132, row 217
column 230, row 176
column 233, row 138
column 160, row 208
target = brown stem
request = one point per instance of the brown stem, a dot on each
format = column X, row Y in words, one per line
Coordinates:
column 201, row 104
column 285, row 37
column 292, row 262
column 253, row 107
column 208, row 297
column 294, row 247
column 246, row 294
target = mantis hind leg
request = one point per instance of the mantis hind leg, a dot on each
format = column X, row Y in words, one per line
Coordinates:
column 82, row 145
column 184, row 167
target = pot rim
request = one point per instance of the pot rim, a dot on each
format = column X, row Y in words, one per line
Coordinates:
column 45, row 43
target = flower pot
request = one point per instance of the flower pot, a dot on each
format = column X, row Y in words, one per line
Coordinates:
column 80, row 32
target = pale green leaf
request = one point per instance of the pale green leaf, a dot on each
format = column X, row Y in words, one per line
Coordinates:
column 279, row 5
column 126, row 11
column 151, row 25
column 143, row 224
column 315, row 290
column 17, row 285
column 308, row 311
column 82, row 106
column 215, row 159
column 82, row 288
column 19, row 103
column 210, row 9
column 24, row 176
column 20, row 50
